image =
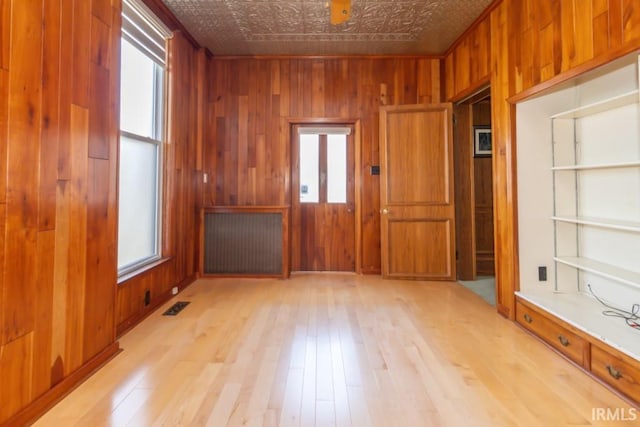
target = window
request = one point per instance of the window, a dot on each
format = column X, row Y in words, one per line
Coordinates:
column 323, row 164
column 142, row 106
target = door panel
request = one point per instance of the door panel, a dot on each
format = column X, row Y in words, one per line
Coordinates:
column 412, row 258
column 324, row 224
column 417, row 203
column 410, row 163
column 327, row 238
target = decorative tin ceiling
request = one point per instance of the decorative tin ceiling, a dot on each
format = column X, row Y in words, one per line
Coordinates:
column 301, row 27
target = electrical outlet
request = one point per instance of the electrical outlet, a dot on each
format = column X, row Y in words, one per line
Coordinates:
column 174, row 290
column 147, row 297
column 542, row 273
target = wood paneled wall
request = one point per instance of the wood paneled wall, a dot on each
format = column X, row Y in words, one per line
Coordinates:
column 467, row 65
column 251, row 100
column 183, row 163
column 533, row 45
column 60, row 306
column 58, row 148
column 483, row 199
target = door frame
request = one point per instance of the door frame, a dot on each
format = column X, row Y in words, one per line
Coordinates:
column 465, row 184
column 292, row 122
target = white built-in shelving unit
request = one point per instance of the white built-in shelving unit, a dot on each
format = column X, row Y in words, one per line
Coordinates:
column 579, row 202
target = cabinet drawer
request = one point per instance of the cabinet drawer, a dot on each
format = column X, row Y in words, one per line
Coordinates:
column 559, row 337
column 617, row 370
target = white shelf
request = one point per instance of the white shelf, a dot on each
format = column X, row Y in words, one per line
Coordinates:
column 633, row 226
column 599, row 107
column 602, row 269
column 600, row 166
column 585, row 313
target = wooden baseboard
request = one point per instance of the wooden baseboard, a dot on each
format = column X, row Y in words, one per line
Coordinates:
column 30, row 413
column 132, row 321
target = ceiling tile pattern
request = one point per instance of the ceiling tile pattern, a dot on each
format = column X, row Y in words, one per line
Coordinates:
column 301, row 27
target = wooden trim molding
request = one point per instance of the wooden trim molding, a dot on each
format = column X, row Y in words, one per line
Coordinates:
column 46, row 401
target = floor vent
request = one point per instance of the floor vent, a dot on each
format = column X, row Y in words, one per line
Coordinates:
column 176, row 308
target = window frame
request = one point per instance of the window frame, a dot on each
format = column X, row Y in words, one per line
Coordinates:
column 159, row 129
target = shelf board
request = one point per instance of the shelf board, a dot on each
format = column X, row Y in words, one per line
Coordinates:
column 601, row 106
column 602, row 269
column 633, row 226
column 598, row 166
column 585, row 313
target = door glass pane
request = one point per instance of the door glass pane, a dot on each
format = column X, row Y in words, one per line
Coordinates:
column 309, row 165
column 336, row 168
column 137, row 201
column 137, row 97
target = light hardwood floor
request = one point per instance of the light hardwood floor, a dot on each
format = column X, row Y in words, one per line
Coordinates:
column 333, row 349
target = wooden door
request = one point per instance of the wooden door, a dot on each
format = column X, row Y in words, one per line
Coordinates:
column 323, row 199
column 416, row 192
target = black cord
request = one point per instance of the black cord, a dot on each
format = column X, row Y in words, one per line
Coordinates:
column 631, row 317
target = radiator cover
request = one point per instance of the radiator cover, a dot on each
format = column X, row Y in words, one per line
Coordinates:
column 243, row 243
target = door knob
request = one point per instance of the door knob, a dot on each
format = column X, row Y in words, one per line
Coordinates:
column 385, row 211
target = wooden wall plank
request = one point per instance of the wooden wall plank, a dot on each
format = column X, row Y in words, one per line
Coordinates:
column 616, row 23
column 462, row 56
column 66, row 88
column 81, row 31
column 4, row 129
column 3, row 216
column 630, row 21
column 50, row 116
column 583, row 32
column 101, row 41
column 22, row 149
column 61, row 256
column 101, row 9
column 16, row 372
column 5, row 33
column 41, row 380
column 77, row 257
column 464, row 196
column 100, row 117
column 99, row 303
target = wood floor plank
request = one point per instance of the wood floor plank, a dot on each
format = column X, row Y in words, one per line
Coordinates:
column 333, row 350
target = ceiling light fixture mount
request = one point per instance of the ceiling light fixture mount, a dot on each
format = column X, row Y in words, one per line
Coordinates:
column 340, row 11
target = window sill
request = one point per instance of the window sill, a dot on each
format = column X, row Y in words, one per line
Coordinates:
column 127, row 276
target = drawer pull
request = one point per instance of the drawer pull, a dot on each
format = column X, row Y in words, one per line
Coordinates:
column 563, row 340
column 527, row 318
column 614, row 372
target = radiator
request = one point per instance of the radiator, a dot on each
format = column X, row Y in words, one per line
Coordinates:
column 244, row 243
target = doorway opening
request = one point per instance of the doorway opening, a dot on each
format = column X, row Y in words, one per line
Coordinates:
column 323, row 234
column 475, row 257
